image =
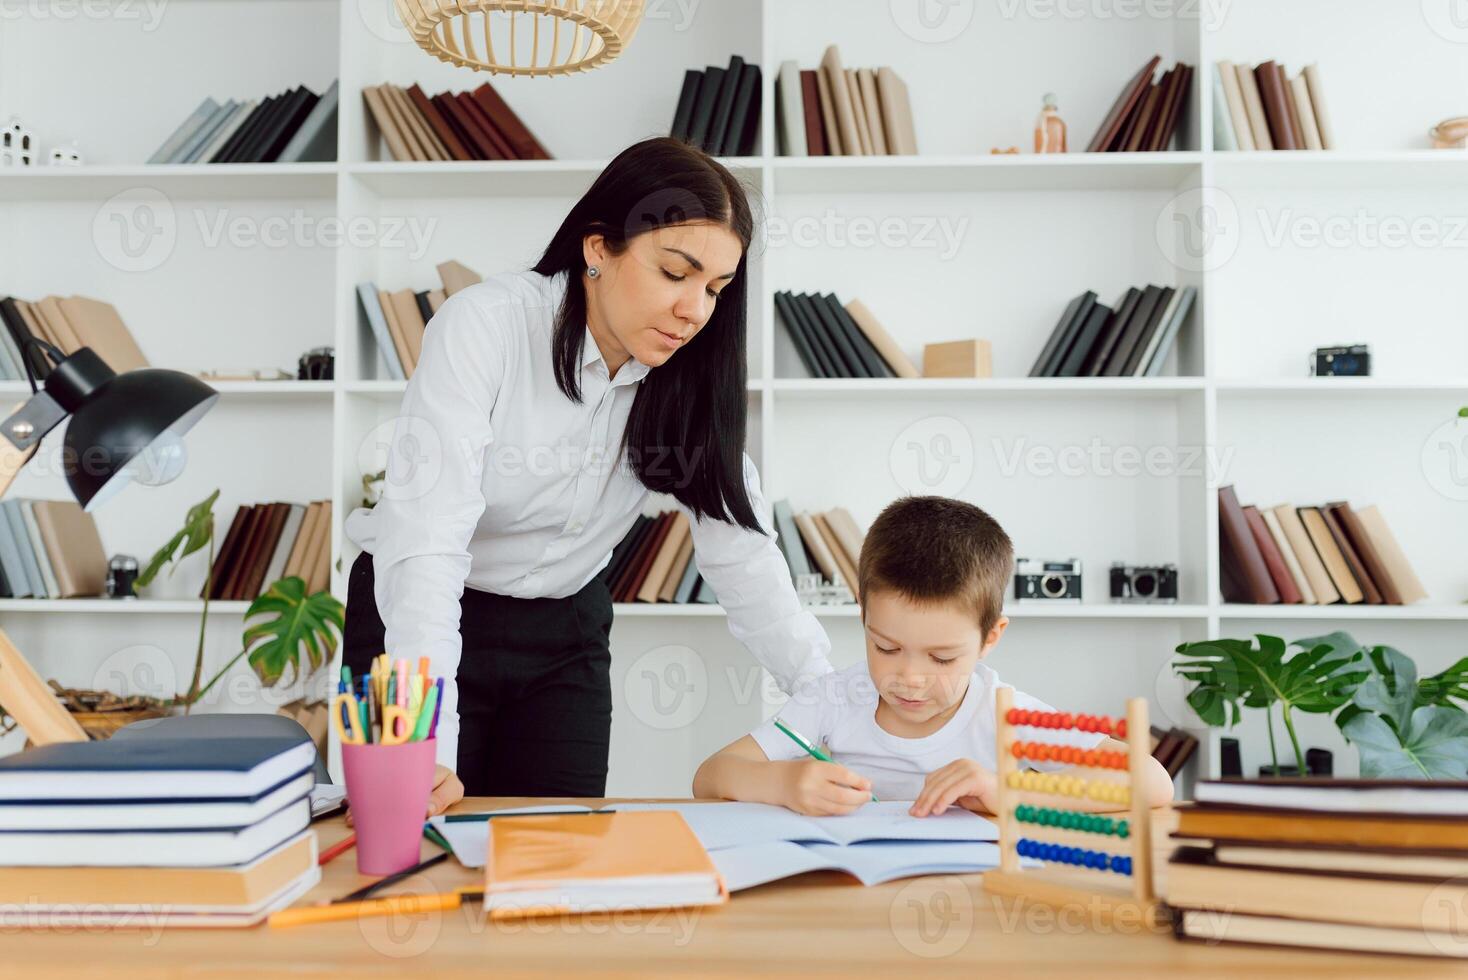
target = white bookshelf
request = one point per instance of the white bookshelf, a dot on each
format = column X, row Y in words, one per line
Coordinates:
column 1028, row 233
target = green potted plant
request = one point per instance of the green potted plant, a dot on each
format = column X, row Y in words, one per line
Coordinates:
column 284, row 626
column 1402, row 727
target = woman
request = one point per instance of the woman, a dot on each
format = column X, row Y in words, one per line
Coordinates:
column 545, row 407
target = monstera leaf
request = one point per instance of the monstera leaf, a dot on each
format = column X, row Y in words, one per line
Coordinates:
column 197, row 530
column 297, row 625
column 1433, row 744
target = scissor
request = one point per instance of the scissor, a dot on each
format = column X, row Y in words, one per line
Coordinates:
column 350, row 731
column 397, row 724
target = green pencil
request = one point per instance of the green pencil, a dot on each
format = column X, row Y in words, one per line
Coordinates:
column 804, row 743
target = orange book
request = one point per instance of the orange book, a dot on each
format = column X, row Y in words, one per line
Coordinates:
column 549, row 864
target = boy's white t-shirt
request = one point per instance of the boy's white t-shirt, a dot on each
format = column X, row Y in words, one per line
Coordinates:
column 839, row 711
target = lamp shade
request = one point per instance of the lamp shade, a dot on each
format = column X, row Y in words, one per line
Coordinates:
column 110, row 434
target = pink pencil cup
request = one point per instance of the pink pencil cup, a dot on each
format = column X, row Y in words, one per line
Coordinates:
column 388, row 788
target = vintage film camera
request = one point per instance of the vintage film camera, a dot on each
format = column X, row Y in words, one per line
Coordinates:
column 1052, row 581
column 1143, row 583
column 1347, row 361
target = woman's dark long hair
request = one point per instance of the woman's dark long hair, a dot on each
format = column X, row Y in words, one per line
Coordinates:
column 685, row 436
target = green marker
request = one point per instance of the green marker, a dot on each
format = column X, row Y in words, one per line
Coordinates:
column 804, row 743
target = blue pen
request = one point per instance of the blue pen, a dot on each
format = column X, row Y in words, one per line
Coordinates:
column 437, row 706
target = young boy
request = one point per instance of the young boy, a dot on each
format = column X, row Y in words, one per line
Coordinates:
column 916, row 721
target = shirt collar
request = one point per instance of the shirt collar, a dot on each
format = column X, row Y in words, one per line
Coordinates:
column 629, row 373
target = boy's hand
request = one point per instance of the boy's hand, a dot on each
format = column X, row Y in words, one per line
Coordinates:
column 822, row 789
column 963, row 782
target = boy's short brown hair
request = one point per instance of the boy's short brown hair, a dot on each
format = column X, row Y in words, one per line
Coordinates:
column 936, row 549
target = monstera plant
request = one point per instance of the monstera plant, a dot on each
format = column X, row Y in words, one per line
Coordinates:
column 1403, row 727
column 284, row 627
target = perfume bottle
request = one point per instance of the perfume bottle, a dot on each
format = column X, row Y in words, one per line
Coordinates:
column 1049, row 128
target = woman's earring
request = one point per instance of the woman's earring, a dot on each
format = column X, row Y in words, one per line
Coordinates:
column 593, row 271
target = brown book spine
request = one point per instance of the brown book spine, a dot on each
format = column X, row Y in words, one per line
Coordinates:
column 436, row 120
column 486, row 127
column 253, row 578
column 527, row 147
column 1276, row 107
column 1126, row 103
column 629, row 566
column 1353, row 560
column 469, row 130
column 1364, row 551
column 646, row 555
column 225, row 554
column 229, row 585
column 810, row 101
column 1162, row 135
column 1233, row 529
column 1134, row 134
column 1168, row 89
column 1297, row 128
column 1289, row 593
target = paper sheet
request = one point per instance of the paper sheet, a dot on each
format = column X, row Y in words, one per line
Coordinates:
column 730, row 824
column 872, row 863
column 470, row 838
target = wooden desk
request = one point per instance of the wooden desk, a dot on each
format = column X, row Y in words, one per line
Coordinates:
column 817, row 924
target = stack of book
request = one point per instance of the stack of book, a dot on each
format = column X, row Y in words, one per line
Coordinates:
column 1173, row 747
column 147, row 831
column 268, row 542
column 836, row 341
column 839, row 111
column 1262, row 108
column 1311, row 555
column 1132, row 340
column 295, row 126
column 826, row 543
column 68, row 322
column 399, row 318
column 49, row 549
column 1145, row 115
column 1361, row 865
column 718, row 108
column 476, row 125
column 654, row 563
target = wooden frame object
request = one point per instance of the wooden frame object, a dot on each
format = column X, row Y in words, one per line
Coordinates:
column 598, row 32
column 31, row 703
column 1084, row 887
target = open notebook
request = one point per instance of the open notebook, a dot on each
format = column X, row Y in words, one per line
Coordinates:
column 754, row 843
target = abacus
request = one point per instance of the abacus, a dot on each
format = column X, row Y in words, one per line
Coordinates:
column 1031, row 825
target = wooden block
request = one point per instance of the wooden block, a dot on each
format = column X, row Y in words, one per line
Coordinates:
column 958, row 359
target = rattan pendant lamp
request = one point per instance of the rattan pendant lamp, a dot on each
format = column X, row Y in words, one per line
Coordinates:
column 565, row 36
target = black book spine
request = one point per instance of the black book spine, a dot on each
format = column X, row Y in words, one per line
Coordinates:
column 1047, row 353
column 625, row 547
column 1144, row 339
column 1150, row 307
column 1067, row 336
column 745, row 99
column 871, row 361
column 703, row 109
column 686, row 101
column 231, row 147
column 751, row 119
column 295, row 116
column 254, row 151
column 425, row 309
column 797, row 336
column 1084, row 341
column 1096, row 358
column 714, row 141
column 825, row 351
column 843, row 366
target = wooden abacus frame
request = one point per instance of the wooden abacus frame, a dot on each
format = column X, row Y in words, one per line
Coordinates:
column 1139, row 902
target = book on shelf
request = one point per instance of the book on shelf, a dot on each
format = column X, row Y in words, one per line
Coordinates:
column 474, row 125
column 719, row 108
column 1130, row 339
column 826, row 544
column 49, row 549
column 68, row 323
column 398, row 319
column 1313, row 555
column 1173, row 748
column 189, row 831
column 836, row 340
column 1145, row 115
column 833, row 110
column 267, row 542
column 295, row 126
column 1264, row 108
column 1354, row 864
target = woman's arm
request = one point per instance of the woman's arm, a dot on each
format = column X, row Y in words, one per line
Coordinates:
column 751, row 580
column 433, row 496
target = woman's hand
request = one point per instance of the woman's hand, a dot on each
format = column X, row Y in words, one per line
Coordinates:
column 821, row 789
column 447, row 790
column 963, row 782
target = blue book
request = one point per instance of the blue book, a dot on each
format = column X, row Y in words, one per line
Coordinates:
column 367, row 295
column 15, row 576
column 185, row 129
column 201, row 136
column 686, row 585
column 34, row 585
